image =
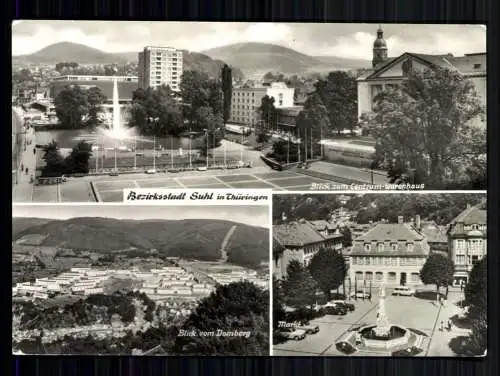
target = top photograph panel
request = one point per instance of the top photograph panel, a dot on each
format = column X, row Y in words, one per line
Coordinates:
column 98, row 107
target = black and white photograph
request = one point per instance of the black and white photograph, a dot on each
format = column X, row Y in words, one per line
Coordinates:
column 140, row 280
column 100, row 106
column 379, row 274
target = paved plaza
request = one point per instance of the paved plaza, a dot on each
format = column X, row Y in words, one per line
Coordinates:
column 109, row 188
column 410, row 312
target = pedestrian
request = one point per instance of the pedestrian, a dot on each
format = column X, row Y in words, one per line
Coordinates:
column 449, row 325
column 34, row 150
column 441, row 327
column 26, row 170
column 22, row 167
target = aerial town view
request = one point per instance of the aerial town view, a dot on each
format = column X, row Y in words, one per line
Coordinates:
column 99, row 106
column 379, row 274
column 140, row 281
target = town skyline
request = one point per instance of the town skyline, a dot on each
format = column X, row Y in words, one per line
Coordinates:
column 249, row 215
column 346, row 40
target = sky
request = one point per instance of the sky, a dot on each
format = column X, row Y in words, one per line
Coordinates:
column 348, row 40
column 257, row 216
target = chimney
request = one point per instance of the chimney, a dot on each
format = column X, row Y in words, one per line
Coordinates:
column 400, row 219
column 417, row 222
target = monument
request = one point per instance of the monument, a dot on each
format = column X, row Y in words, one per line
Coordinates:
column 382, row 337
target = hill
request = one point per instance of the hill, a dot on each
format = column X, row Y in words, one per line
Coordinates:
column 255, row 58
column 82, row 54
column 189, row 239
column 20, row 225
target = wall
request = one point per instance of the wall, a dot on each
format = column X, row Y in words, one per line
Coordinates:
column 385, row 269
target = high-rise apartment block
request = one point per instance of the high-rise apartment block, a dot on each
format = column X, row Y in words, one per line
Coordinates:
column 160, row 66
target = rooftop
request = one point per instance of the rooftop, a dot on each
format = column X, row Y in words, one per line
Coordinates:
column 471, row 216
column 296, row 234
column 390, row 231
column 468, row 64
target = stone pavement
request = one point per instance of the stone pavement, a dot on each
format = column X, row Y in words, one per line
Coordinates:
column 440, row 343
column 23, row 190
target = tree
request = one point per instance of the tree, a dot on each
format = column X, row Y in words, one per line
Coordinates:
column 156, row 104
column 299, row 288
column 198, row 90
column 227, row 90
column 476, row 290
column 95, row 100
column 313, row 121
column 267, row 112
column 346, row 237
column 437, row 270
column 328, row 268
column 239, row 306
column 71, row 107
column 54, row 162
column 339, row 94
column 424, row 127
column 78, row 160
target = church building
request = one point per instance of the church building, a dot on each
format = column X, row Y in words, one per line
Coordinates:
column 388, row 72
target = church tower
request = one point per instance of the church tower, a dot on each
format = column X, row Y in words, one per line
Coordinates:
column 379, row 48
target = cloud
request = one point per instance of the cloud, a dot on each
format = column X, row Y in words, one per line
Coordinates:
column 347, row 40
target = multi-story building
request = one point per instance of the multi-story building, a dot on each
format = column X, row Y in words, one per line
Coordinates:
column 299, row 240
column 390, row 254
column 247, row 99
column 160, row 66
column 467, row 241
column 389, row 72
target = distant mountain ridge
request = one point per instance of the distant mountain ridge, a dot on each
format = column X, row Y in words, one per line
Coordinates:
column 191, row 239
column 265, row 57
column 82, row 54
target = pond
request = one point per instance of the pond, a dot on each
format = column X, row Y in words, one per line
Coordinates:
column 66, row 139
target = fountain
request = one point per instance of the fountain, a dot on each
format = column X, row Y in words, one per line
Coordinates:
column 117, row 132
column 384, row 337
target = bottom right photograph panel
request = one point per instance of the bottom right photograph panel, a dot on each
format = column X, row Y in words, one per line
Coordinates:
column 379, row 274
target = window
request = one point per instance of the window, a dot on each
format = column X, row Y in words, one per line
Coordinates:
column 394, row 246
column 460, row 259
column 368, row 260
column 475, row 260
column 380, row 247
column 415, row 277
column 369, row 276
column 477, row 66
column 409, row 247
column 391, row 276
column 387, row 261
column 354, row 260
column 359, row 275
column 368, row 247
column 394, row 261
column 379, row 276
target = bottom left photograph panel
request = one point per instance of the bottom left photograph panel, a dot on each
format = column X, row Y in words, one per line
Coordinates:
column 140, row 280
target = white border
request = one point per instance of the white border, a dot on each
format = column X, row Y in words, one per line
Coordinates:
column 270, row 221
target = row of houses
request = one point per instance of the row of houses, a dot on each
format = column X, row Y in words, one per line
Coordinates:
column 388, row 253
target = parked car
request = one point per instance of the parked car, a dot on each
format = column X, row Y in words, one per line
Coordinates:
column 151, row 171
column 342, row 303
column 404, row 291
column 360, row 294
column 293, row 333
column 113, row 174
column 335, row 310
column 202, row 168
column 309, row 328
